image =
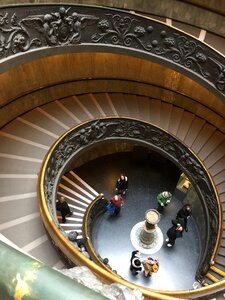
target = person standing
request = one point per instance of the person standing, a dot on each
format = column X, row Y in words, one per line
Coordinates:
column 174, row 232
column 151, row 265
column 163, row 200
column 184, row 213
column 122, row 184
column 117, row 202
column 72, row 236
column 63, row 207
column 135, row 263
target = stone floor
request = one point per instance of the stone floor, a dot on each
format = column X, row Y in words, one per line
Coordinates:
column 111, row 235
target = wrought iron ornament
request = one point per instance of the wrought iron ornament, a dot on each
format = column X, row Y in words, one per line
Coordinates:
column 35, row 27
column 131, row 130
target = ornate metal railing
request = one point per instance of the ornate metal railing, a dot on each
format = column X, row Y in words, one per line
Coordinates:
column 30, row 28
column 112, row 129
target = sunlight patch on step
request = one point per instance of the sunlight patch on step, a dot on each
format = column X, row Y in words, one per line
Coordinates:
column 18, row 197
column 25, row 141
column 19, row 221
column 66, row 188
column 70, row 225
column 72, row 199
column 18, row 157
column 78, row 187
column 68, row 111
column 52, row 118
column 29, row 247
column 76, row 208
column 38, row 127
column 84, row 183
column 26, row 176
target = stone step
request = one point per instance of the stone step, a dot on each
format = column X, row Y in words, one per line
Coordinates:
column 204, row 135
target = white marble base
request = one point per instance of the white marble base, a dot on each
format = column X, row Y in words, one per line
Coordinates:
column 139, row 245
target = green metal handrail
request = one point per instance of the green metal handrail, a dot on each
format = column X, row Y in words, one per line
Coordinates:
column 22, row 277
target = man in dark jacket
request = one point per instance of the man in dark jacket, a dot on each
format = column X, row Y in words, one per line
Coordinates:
column 176, row 231
column 122, row 184
column 63, row 207
column 184, row 213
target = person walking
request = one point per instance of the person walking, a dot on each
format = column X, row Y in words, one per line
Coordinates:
column 174, row 232
column 163, row 200
column 184, row 213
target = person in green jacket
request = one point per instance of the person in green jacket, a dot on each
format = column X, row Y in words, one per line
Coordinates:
column 163, row 199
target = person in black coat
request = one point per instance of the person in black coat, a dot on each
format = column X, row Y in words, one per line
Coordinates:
column 174, row 232
column 135, row 263
column 63, row 207
column 184, row 213
column 122, row 184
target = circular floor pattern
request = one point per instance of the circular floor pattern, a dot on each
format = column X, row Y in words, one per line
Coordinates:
column 143, row 248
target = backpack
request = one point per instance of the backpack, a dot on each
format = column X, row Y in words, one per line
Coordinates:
column 110, row 208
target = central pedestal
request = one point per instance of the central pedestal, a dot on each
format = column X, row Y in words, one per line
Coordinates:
column 151, row 248
column 152, row 218
column 146, row 236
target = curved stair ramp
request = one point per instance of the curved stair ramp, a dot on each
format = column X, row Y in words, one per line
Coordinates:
column 89, row 131
column 78, row 195
column 25, row 143
column 23, row 148
column 214, row 274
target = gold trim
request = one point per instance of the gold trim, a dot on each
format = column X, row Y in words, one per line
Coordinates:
column 211, row 277
column 75, row 256
column 89, row 243
column 218, row 271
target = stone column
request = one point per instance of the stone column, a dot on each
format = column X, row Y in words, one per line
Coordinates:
column 152, row 218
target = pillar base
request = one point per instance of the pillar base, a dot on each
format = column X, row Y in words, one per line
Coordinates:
column 155, row 245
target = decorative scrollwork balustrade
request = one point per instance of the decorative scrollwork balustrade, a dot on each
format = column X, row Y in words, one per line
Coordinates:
column 112, row 129
column 29, row 28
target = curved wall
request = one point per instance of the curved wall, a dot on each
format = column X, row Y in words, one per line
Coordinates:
column 57, row 77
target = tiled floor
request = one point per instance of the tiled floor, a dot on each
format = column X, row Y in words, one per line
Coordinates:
column 111, row 235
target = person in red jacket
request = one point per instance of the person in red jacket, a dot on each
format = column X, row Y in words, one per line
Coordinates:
column 117, row 202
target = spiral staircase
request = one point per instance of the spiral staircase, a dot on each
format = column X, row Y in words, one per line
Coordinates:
column 60, row 90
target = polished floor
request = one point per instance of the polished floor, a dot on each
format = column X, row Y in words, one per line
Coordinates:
column 111, row 235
